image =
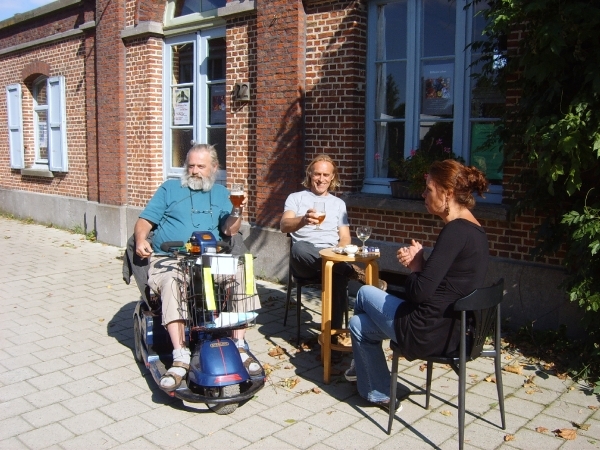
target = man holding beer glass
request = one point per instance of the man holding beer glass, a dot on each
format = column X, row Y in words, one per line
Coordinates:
column 178, row 208
column 311, row 233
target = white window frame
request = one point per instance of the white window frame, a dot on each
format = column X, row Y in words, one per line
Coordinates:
column 200, row 103
column 461, row 89
column 57, row 127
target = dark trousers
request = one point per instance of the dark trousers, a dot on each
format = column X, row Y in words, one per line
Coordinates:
column 306, row 263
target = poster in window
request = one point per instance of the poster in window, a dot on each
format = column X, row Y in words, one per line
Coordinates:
column 486, row 151
column 437, row 89
column 181, row 107
column 217, row 104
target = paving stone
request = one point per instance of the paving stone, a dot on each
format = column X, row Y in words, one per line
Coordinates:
column 46, row 436
column 47, row 415
column 85, row 422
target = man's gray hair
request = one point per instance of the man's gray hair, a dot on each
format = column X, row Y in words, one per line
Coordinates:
column 203, row 148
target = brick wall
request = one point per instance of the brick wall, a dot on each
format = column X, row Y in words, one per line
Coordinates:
column 110, row 85
column 67, row 58
column 280, row 95
column 335, row 97
column 144, row 119
column 241, row 115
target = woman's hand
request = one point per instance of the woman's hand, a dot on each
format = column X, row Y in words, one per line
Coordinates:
column 411, row 256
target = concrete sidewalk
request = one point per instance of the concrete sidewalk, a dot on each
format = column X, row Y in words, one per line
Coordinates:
column 68, row 379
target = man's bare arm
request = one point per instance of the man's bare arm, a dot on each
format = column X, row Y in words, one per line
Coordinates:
column 141, row 230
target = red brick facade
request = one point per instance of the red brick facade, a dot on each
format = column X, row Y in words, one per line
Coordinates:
column 305, row 64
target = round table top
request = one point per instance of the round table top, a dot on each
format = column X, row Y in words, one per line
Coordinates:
column 329, row 255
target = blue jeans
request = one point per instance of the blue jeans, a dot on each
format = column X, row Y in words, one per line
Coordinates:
column 372, row 322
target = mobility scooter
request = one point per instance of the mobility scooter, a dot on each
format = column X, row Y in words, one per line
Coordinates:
column 216, row 288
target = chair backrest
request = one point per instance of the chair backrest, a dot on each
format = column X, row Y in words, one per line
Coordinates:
column 480, row 309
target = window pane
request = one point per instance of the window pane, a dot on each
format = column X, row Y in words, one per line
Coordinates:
column 392, row 136
column 486, row 99
column 183, row 63
column 391, row 90
column 217, row 104
column 392, row 21
column 436, row 137
column 185, row 7
column 41, row 97
column 486, row 151
column 439, row 25
column 181, row 142
column 216, row 137
column 42, row 133
column 216, row 59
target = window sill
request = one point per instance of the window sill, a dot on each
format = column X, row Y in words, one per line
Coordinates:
column 43, row 173
column 387, row 203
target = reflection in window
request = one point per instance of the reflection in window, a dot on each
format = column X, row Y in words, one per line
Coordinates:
column 182, row 99
column 185, row 7
column 40, row 97
column 420, row 93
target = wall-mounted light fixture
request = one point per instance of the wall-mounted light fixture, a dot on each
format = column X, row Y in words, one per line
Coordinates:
column 241, row 91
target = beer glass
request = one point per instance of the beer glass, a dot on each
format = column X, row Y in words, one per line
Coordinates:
column 320, row 209
column 236, row 196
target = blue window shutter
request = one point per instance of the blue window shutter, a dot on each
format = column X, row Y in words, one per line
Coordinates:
column 15, row 126
column 57, row 125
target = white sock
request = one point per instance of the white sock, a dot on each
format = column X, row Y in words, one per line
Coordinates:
column 182, row 355
column 253, row 366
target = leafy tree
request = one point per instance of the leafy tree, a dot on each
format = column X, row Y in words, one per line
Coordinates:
column 551, row 63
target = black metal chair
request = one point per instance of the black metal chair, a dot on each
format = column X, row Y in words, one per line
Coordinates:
column 300, row 283
column 479, row 318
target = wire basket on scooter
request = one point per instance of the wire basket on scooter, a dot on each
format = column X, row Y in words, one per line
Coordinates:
column 221, row 291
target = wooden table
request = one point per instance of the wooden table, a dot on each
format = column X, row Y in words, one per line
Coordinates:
column 329, row 258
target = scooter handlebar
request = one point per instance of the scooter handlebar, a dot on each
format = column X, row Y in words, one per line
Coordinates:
column 170, row 246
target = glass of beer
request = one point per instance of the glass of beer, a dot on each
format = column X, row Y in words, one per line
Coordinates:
column 236, row 195
column 320, row 210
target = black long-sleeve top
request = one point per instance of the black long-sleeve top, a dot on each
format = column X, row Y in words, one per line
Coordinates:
column 425, row 323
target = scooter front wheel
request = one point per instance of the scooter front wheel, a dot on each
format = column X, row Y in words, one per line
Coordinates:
column 232, row 390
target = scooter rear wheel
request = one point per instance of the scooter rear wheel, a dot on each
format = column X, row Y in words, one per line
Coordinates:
column 226, row 391
column 137, row 341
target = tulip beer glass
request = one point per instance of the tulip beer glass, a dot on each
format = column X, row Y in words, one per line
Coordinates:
column 320, row 210
column 237, row 197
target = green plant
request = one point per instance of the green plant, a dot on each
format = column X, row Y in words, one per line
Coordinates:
column 413, row 169
column 553, row 131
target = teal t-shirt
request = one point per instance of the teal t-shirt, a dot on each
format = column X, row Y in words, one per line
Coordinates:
column 178, row 211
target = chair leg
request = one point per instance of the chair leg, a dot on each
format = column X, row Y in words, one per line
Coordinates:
column 499, row 388
column 287, row 301
column 393, row 386
column 428, row 383
column 298, row 311
column 462, row 383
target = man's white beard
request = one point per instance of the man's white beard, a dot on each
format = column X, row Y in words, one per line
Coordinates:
column 198, row 183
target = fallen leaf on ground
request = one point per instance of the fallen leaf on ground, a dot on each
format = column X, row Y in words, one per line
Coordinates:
column 267, row 368
column 446, row 413
column 509, row 437
column 276, row 351
column 593, row 408
column 422, row 367
column 584, row 426
column 562, row 376
column 291, row 383
column 513, row 369
column 565, row 433
column 316, row 390
column 529, row 381
column 473, row 375
column 541, row 429
column 490, row 379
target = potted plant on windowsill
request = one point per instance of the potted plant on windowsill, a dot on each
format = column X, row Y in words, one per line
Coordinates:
column 411, row 172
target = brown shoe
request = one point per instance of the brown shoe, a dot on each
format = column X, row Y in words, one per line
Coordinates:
column 359, row 274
